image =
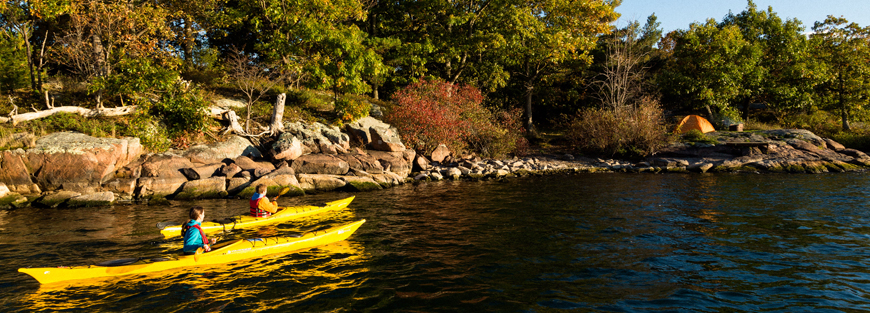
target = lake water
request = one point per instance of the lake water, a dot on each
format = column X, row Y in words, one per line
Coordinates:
column 591, row 242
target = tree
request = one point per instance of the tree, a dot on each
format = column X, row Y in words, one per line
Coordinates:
column 315, row 39
column 708, row 67
column 544, row 35
column 844, row 52
column 18, row 19
column 782, row 76
column 253, row 79
column 102, row 36
column 621, row 77
column 13, row 63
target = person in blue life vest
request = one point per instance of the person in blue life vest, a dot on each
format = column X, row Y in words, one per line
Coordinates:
column 194, row 237
column 260, row 205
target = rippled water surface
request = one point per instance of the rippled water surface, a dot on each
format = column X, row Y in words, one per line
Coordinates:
column 597, row 242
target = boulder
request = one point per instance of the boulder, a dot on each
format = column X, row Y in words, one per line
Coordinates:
column 454, row 173
column 803, row 145
column 387, row 179
column 260, row 172
column 316, row 135
column 232, row 148
column 282, row 169
column 320, row 164
column 189, row 173
column 440, row 153
column 230, row 170
column 320, row 182
column 833, row 145
column 287, row 147
column 132, row 169
column 125, row 187
column 67, row 157
column 248, row 164
column 357, row 183
column 209, row 188
column 362, row 162
column 235, row 185
column 208, row 170
column 94, row 199
column 13, row 200
column 3, row 190
column 159, row 186
column 165, row 166
column 328, row 148
column 274, row 184
column 336, row 137
column 13, row 171
column 359, row 130
column 853, row 153
column 56, row 198
column 421, row 163
column 385, row 139
column 393, row 162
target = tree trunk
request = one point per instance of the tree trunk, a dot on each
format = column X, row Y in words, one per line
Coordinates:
column 530, row 127
column 26, row 34
column 375, row 92
column 278, row 114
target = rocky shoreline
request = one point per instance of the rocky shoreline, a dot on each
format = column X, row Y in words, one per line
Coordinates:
column 75, row 170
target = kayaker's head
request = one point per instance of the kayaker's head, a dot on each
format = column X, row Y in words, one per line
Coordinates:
column 197, row 213
column 261, row 189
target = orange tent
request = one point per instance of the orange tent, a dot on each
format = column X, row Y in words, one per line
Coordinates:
column 694, row 122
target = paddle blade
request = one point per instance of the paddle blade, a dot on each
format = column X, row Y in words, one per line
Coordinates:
column 284, row 191
column 162, row 225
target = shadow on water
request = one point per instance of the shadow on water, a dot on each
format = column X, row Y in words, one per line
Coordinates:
column 588, row 242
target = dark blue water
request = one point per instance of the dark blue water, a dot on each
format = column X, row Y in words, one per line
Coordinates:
column 597, row 242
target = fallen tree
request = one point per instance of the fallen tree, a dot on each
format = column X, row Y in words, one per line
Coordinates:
column 216, row 112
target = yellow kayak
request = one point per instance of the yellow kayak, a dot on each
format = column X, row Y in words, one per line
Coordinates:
column 221, row 253
column 247, row 221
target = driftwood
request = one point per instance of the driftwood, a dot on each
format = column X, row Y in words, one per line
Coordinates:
column 214, row 112
column 17, row 118
column 277, row 125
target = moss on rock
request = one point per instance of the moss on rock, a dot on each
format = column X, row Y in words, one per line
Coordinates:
column 362, row 186
column 13, row 200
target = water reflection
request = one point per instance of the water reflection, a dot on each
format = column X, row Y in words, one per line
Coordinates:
column 585, row 243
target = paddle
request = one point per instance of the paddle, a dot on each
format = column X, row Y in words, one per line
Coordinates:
column 162, row 225
column 283, row 191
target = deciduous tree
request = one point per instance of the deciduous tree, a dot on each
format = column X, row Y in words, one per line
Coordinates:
column 843, row 48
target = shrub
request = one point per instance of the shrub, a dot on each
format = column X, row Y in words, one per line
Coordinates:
column 435, row 112
column 181, row 109
column 350, row 110
column 857, row 139
column 429, row 113
column 497, row 134
column 151, row 135
column 633, row 131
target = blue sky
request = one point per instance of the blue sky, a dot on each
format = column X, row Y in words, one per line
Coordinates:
column 678, row 14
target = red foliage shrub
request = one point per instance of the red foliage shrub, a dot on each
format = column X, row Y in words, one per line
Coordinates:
column 429, row 113
column 433, row 112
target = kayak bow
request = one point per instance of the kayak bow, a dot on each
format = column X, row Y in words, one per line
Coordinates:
column 247, row 221
column 222, row 253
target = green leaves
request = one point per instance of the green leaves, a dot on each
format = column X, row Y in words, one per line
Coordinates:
column 843, row 53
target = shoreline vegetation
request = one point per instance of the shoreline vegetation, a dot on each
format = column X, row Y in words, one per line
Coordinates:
column 109, row 102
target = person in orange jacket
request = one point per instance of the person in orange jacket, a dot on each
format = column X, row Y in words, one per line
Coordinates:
column 260, row 205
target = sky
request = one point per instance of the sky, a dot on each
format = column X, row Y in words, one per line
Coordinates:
column 678, row 14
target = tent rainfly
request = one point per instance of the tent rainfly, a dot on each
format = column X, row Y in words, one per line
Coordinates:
column 694, row 122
